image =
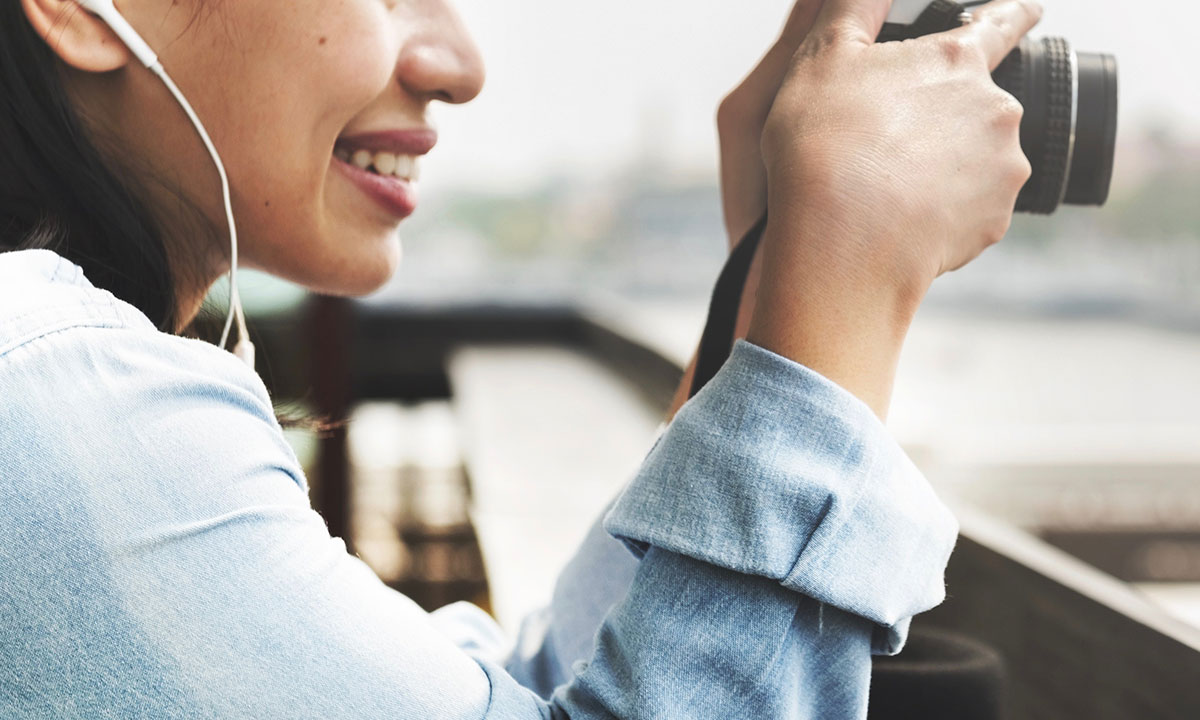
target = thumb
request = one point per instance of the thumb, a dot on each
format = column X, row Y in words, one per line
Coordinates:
column 857, row 21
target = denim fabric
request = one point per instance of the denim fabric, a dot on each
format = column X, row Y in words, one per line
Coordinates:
column 552, row 640
column 809, row 489
column 160, row 558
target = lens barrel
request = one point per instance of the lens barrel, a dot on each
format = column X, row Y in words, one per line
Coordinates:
column 1069, row 130
column 1095, row 131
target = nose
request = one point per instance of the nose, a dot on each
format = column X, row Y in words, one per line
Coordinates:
column 440, row 61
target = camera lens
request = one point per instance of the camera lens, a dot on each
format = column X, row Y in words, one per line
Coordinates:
column 1069, row 130
column 1095, row 131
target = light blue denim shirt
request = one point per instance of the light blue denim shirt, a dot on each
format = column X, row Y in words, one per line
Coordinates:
column 160, row 558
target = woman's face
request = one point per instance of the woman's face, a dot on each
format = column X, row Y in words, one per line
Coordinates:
column 293, row 92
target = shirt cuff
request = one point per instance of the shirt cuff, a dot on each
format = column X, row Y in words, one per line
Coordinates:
column 774, row 470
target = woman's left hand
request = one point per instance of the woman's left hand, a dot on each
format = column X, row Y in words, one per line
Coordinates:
column 740, row 119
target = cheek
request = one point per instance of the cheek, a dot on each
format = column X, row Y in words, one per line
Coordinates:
column 346, row 68
column 314, row 73
column 351, row 66
column 304, row 84
column 319, row 89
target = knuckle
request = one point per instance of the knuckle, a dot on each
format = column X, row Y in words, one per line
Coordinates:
column 998, row 22
column 1022, row 170
column 996, row 230
column 835, row 34
column 1009, row 112
column 958, row 49
column 831, row 35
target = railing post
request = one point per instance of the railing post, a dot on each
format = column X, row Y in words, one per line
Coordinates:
column 329, row 343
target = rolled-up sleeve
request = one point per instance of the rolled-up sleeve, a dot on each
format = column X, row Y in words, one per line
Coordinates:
column 775, row 471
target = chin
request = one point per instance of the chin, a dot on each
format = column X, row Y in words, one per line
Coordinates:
column 363, row 276
column 353, row 274
column 357, row 284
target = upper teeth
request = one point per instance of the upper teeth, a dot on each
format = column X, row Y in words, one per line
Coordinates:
column 383, row 163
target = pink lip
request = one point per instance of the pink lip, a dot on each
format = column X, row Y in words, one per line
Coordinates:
column 398, row 142
column 395, row 195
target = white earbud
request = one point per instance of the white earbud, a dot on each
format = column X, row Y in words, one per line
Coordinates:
column 106, row 11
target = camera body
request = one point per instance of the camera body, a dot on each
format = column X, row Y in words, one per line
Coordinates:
column 906, row 12
column 1069, row 129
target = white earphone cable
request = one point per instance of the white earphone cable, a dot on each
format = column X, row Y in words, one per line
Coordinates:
column 243, row 349
column 107, row 12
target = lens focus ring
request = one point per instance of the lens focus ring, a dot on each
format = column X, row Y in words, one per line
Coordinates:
column 1040, row 75
column 1060, row 113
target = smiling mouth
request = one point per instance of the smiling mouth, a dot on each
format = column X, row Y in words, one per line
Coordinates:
column 395, row 191
column 386, row 164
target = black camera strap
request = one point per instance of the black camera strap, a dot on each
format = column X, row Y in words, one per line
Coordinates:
column 717, row 340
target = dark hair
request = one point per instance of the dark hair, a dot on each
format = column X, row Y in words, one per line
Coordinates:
column 58, row 193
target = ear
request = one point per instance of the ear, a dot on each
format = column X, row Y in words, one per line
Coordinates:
column 79, row 38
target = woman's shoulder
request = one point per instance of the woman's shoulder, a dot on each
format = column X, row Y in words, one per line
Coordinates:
column 42, row 292
column 52, row 315
column 91, row 387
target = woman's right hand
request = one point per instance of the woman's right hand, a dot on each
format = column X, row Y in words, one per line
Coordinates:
column 887, row 165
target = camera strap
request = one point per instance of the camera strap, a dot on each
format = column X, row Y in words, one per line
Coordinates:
column 717, row 340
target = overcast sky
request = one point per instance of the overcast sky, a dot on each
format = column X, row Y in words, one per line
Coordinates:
column 577, row 87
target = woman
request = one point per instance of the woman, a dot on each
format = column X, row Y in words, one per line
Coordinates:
column 159, row 554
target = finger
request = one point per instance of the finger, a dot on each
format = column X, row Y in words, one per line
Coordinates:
column 858, row 21
column 999, row 26
column 799, row 22
column 765, row 79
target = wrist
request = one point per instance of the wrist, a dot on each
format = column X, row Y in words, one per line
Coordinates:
column 838, row 317
column 860, row 239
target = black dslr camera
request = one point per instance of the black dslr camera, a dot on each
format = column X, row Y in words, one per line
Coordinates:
column 1069, row 130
